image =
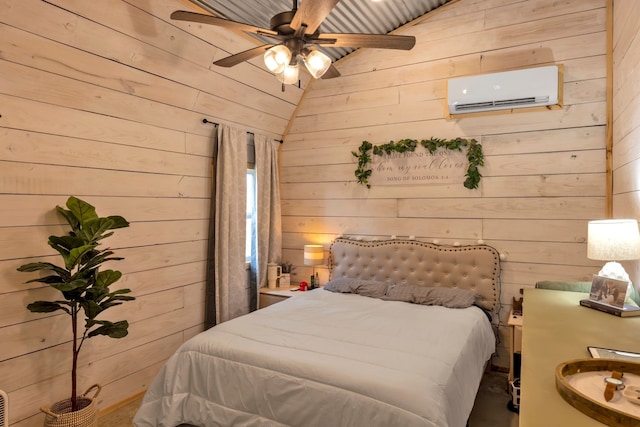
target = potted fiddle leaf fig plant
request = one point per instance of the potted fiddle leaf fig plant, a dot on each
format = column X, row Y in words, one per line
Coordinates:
column 84, row 293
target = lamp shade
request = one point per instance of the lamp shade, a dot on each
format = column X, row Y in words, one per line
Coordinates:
column 613, row 240
column 313, row 254
column 277, row 58
column 290, row 75
column 317, row 63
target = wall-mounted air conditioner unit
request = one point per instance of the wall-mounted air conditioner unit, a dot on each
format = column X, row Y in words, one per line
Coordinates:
column 507, row 90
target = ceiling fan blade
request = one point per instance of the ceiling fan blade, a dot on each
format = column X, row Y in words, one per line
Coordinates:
column 311, row 13
column 331, row 73
column 381, row 41
column 232, row 60
column 183, row 15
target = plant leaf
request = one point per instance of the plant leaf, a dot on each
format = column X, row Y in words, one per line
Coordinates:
column 76, row 254
column 68, row 215
column 107, row 277
column 94, row 229
column 70, row 286
column 48, row 280
column 118, row 222
column 36, row 266
column 46, row 307
column 65, row 244
column 82, row 210
column 113, row 330
column 91, row 308
column 115, row 300
column 99, row 259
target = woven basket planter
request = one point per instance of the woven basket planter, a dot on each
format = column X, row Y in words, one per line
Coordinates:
column 60, row 414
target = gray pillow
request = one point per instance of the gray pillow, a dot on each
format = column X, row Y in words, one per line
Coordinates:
column 446, row 297
column 407, row 293
column 367, row 288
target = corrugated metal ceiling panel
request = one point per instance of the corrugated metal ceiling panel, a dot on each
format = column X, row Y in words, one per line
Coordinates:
column 349, row 16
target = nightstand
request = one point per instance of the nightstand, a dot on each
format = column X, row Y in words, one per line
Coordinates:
column 272, row 296
column 515, row 345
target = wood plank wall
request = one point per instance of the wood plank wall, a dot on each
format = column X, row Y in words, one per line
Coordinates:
column 626, row 116
column 104, row 100
column 545, row 171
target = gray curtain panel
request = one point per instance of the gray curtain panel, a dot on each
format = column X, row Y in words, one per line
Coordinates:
column 228, row 294
column 269, row 227
column 230, row 278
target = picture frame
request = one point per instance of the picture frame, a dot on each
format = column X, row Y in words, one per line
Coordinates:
column 608, row 291
column 610, row 353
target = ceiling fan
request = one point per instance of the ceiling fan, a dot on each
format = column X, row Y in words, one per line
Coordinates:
column 295, row 34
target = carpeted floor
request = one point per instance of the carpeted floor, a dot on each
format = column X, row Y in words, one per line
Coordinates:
column 490, row 409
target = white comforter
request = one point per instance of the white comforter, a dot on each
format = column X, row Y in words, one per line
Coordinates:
column 327, row 360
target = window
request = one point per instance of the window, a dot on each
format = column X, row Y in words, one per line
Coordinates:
column 251, row 213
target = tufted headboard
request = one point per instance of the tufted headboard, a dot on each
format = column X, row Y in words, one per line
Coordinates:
column 473, row 267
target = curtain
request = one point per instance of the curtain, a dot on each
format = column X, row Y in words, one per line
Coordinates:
column 268, row 228
column 228, row 296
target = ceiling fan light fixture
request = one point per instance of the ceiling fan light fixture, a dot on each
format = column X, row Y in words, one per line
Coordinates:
column 277, row 58
column 289, row 75
column 317, row 63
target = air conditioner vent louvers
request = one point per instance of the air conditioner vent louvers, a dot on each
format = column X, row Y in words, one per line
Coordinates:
column 4, row 409
column 529, row 87
column 519, row 101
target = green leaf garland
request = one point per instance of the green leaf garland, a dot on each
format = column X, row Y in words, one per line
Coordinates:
column 475, row 156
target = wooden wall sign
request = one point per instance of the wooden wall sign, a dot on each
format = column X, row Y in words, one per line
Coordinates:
column 435, row 161
column 419, row 167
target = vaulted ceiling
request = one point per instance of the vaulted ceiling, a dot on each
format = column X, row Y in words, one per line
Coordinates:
column 348, row 16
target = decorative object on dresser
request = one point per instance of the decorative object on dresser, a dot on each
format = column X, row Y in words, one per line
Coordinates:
column 613, row 240
column 350, row 352
column 609, row 295
column 608, row 291
column 610, row 353
column 85, row 294
column 596, row 388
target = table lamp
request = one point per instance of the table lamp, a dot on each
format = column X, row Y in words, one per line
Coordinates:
column 313, row 255
column 613, row 240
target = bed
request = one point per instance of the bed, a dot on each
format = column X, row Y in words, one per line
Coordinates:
column 394, row 339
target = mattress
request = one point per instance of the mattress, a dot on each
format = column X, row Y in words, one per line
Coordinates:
column 327, row 359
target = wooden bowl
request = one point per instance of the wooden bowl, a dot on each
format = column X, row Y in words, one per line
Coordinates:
column 605, row 414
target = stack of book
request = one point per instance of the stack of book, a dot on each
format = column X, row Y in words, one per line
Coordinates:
column 626, row 311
